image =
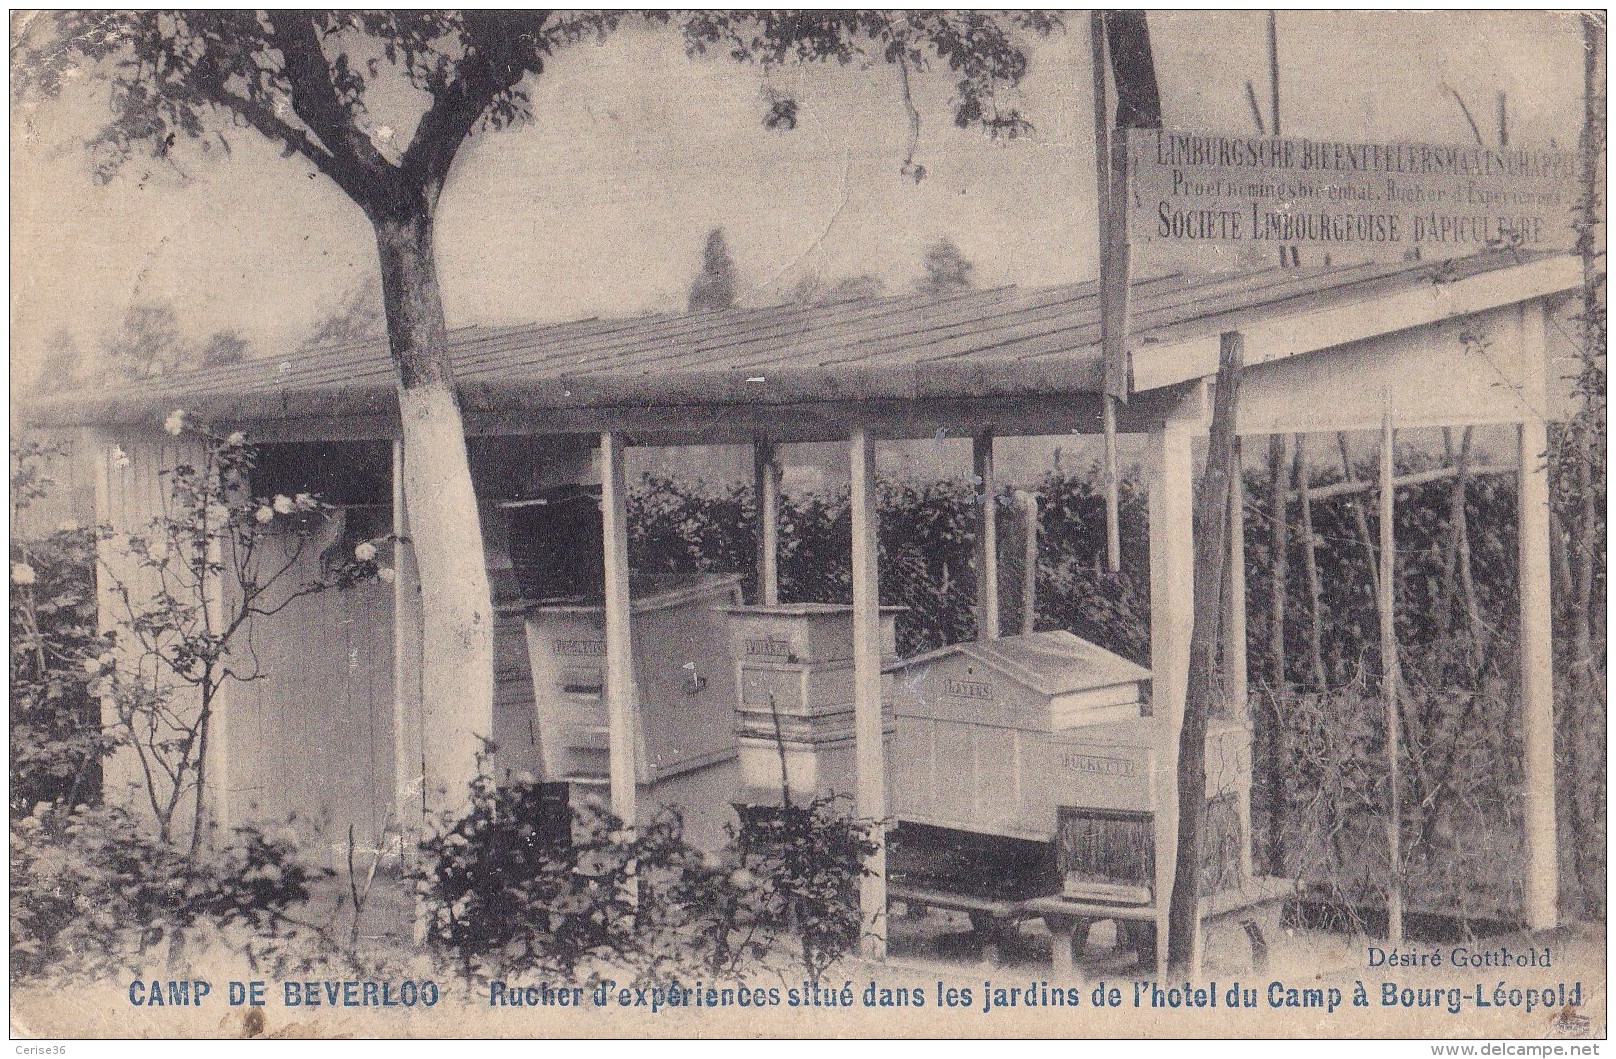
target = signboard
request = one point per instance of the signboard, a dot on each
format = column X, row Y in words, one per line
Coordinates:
column 1356, row 200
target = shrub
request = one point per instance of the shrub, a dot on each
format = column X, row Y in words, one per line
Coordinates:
column 57, row 742
column 505, row 894
column 807, row 861
column 92, row 894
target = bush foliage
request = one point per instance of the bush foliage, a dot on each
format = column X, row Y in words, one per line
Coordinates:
column 506, row 892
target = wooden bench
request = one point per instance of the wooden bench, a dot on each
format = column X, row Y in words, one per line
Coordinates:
column 991, row 917
column 1233, row 921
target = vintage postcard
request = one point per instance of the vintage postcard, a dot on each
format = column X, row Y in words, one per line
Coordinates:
column 808, row 524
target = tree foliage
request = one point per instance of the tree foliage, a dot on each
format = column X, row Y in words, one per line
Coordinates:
column 714, row 286
column 304, row 79
column 945, row 269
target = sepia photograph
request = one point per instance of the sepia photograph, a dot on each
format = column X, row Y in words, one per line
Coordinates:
column 808, row 524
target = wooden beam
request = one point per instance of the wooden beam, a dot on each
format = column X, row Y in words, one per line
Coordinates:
column 409, row 763
column 1050, row 411
column 1537, row 681
column 1172, row 561
column 622, row 706
column 987, row 537
column 1389, row 680
column 766, row 487
column 869, row 741
column 1326, row 492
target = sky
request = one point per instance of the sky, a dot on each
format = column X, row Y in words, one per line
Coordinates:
column 600, row 206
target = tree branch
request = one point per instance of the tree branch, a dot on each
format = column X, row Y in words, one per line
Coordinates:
column 501, row 48
column 315, row 101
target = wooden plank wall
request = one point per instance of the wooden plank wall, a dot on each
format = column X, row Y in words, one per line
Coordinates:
column 313, row 741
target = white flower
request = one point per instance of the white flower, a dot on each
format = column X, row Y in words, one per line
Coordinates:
column 120, row 457
column 22, row 573
column 236, row 438
column 92, row 665
column 305, row 502
column 175, row 423
column 264, row 513
column 283, row 504
column 386, row 575
column 365, row 552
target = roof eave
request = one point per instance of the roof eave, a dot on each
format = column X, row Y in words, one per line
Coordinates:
column 1277, row 337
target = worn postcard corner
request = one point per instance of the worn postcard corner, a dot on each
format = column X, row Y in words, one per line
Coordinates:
column 808, row 524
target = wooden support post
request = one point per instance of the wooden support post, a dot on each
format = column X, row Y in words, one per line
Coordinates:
column 987, row 538
column 1537, row 681
column 1389, row 681
column 622, row 707
column 869, row 742
column 1210, row 525
column 1234, row 634
column 409, row 762
column 1172, row 578
column 1113, row 501
column 766, row 485
column 1029, row 560
column 1536, row 616
column 1234, row 620
column 1113, row 224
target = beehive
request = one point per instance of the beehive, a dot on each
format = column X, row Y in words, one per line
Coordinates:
column 1041, row 738
column 794, row 714
column 685, row 683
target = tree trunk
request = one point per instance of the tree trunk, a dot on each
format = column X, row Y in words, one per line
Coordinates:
column 457, row 681
column 1211, row 526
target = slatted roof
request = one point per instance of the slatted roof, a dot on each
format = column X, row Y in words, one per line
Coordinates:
column 1004, row 343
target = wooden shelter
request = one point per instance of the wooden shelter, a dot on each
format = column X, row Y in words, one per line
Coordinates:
column 1327, row 349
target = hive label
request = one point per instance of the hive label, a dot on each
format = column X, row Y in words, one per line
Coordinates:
column 1095, row 765
column 581, row 648
column 769, row 648
column 968, row 689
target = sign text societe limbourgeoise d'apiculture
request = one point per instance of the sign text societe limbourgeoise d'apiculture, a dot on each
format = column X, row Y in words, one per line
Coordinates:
column 1378, row 200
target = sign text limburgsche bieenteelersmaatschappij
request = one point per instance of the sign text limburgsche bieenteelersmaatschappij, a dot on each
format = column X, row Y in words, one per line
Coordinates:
column 1378, row 200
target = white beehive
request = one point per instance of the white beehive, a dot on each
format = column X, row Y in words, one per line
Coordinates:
column 794, row 713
